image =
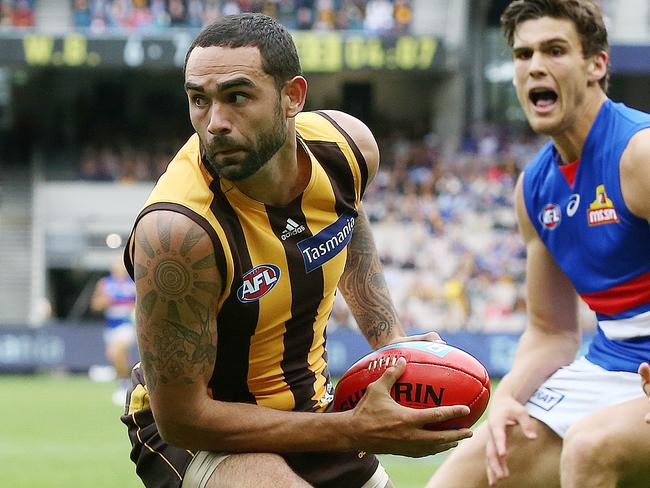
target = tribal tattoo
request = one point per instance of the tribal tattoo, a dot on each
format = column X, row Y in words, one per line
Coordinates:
column 364, row 287
column 178, row 286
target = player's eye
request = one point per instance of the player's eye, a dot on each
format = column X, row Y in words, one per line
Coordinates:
column 238, row 98
column 556, row 51
column 523, row 54
column 199, row 101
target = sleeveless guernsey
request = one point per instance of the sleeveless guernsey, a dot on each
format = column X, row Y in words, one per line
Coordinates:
column 599, row 244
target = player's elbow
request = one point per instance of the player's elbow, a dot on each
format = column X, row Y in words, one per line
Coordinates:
column 176, row 432
column 175, row 436
column 186, row 424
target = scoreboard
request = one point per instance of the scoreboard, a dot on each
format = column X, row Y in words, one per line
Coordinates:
column 319, row 52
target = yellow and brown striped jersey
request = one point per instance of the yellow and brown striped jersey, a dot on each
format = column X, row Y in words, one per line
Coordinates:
column 281, row 266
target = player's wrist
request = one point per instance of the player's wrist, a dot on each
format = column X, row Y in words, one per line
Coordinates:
column 344, row 430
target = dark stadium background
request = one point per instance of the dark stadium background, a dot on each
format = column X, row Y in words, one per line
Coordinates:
column 92, row 109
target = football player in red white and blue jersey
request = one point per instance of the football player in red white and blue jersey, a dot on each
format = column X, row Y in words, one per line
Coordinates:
column 114, row 296
column 583, row 209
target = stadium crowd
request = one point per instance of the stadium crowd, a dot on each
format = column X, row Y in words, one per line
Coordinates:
column 377, row 16
column 444, row 226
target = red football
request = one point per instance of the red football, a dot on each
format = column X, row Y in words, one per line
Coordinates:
column 436, row 375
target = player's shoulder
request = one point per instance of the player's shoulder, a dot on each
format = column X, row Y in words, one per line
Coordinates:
column 168, row 229
column 635, row 174
column 637, row 153
column 354, row 132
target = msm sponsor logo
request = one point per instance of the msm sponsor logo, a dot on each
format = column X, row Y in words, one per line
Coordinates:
column 550, row 216
column 320, row 248
column 257, row 282
column 601, row 210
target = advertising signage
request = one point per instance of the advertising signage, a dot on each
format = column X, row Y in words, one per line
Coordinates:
column 319, row 52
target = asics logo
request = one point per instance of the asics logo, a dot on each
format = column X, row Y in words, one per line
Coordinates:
column 572, row 206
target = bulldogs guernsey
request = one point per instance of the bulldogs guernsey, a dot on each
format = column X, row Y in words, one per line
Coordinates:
column 122, row 301
column 601, row 246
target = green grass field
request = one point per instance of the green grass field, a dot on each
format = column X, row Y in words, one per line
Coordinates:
column 64, row 432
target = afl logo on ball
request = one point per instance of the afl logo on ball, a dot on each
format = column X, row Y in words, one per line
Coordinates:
column 550, row 216
column 258, row 282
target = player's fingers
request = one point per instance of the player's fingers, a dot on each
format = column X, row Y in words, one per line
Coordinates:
column 498, row 441
column 391, row 375
column 644, row 371
column 495, row 467
column 527, row 425
column 444, row 447
column 439, row 414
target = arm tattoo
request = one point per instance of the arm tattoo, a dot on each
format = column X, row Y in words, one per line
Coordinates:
column 176, row 306
column 364, row 287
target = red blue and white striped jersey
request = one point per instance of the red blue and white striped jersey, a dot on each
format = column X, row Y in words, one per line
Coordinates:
column 601, row 246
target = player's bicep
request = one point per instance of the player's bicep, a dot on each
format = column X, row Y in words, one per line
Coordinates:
column 177, row 287
column 635, row 175
column 552, row 302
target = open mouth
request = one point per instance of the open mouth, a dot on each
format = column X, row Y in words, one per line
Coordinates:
column 542, row 97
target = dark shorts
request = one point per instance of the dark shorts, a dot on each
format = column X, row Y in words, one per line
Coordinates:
column 161, row 465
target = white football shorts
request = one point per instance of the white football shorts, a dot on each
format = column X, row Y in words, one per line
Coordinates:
column 122, row 333
column 578, row 390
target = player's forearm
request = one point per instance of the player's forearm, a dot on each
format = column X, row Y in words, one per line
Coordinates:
column 540, row 354
column 365, row 290
column 238, row 427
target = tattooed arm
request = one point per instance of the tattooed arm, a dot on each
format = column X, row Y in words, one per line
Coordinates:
column 178, row 287
column 364, row 288
column 363, row 285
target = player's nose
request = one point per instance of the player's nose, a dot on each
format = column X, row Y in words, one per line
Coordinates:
column 537, row 66
column 219, row 122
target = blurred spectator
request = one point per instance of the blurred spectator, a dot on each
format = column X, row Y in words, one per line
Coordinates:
column 16, row 13
column 177, row 13
column 140, row 16
column 403, row 15
column 81, row 15
column 304, row 14
column 379, row 16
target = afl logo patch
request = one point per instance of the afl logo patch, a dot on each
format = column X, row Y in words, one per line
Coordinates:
column 550, row 216
column 258, row 282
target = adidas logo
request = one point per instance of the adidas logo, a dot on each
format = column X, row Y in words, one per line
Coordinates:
column 291, row 229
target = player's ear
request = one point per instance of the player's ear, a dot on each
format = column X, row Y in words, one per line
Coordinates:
column 597, row 67
column 293, row 95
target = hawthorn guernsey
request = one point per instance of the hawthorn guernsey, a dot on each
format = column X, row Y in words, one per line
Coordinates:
column 436, row 375
column 320, row 248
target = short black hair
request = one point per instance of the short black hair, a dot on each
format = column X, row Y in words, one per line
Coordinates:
column 276, row 46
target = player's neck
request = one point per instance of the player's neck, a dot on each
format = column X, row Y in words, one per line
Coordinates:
column 569, row 143
column 282, row 179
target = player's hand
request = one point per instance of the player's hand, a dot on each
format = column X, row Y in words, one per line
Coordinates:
column 644, row 372
column 382, row 426
column 504, row 412
column 429, row 336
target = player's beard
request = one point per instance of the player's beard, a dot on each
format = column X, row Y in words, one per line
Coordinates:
column 257, row 152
